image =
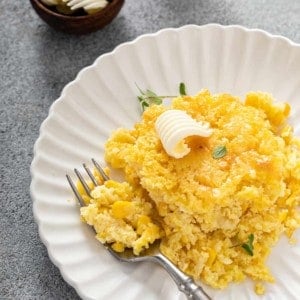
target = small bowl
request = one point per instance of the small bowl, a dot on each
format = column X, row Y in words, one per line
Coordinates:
column 78, row 24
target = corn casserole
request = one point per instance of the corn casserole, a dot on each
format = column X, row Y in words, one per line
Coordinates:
column 204, row 208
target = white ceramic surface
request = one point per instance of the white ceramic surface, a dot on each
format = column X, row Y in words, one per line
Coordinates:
column 103, row 97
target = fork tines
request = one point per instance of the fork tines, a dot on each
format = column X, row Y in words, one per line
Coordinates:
column 84, row 183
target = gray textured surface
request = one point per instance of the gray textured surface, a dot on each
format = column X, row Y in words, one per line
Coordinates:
column 35, row 64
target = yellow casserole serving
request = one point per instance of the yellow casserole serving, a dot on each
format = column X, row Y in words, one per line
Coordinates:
column 218, row 210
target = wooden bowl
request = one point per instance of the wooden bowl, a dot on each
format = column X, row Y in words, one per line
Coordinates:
column 78, row 24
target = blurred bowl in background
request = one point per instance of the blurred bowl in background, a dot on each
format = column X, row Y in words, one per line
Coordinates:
column 77, row 24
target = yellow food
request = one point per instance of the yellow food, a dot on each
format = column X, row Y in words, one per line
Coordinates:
column 204, row 208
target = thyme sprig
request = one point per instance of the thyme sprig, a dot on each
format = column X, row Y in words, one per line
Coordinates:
column 182, row 90
column 247, row 246
column 219, row 152
column 148, row 97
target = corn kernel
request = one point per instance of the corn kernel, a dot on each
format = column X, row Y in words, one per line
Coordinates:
column 212, row 257
column 118, row 247
column 122, row 209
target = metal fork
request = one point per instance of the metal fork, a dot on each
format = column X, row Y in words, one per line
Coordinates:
column 184, row 282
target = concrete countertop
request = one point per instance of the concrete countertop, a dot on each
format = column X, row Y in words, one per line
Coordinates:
column 36, row 62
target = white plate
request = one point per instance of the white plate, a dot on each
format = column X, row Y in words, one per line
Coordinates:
column 103, row 97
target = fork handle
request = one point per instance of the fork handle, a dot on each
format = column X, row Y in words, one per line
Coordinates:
column 184, row 282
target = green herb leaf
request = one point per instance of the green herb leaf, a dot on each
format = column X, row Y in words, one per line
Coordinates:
column 148, row 97
column 182, row 90
column 145, row 104
column 249, row 245
column 251, row 239
column 219, row 152
column 248, row 249
column 153, row 98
